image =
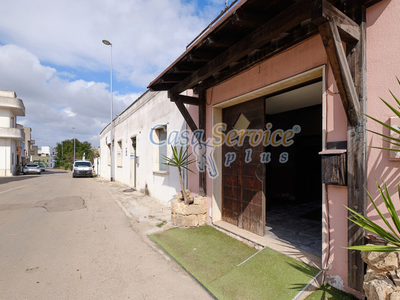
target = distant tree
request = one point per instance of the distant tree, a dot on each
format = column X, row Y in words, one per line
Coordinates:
column 65, row 152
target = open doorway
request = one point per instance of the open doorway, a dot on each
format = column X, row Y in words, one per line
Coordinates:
column 133, row 162
column 293, row 186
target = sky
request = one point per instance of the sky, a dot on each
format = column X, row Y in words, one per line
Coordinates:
column 52, row 56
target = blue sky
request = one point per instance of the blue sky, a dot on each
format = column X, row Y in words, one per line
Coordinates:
column 52, row 56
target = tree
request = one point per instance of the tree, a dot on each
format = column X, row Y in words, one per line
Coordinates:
column 65, row 151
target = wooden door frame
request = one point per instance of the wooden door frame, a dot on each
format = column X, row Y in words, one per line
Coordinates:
column 318, row 72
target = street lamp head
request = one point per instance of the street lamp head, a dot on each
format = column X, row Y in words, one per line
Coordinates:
column 107, row 43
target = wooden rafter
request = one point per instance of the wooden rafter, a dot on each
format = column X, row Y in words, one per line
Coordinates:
column 282, row 22
column 337, row 57
column 349, row 30
column 186, row 99
column 182, row 108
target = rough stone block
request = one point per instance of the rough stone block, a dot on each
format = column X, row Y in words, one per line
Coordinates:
column 190, row 221
column 385, row 261
column 174, row 204
column 202, row 219
column 371, row 275
column 395, row 295
column 178, row 220
column 195, row 209
column 198, row 200
column 378, row 289
column 180, row 195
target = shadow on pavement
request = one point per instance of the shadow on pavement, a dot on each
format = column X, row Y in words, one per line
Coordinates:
column 4, row 180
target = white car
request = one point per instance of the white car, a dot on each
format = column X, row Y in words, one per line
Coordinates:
column 82, row 168
column 31, row 168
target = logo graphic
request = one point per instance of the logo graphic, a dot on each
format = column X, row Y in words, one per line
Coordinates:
column 204, row 149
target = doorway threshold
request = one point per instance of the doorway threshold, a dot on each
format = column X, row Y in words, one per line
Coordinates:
column 272, row 243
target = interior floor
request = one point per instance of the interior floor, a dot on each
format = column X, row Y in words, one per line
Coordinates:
column 299, row 225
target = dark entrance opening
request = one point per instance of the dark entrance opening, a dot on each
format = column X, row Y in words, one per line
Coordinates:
column 293, row 188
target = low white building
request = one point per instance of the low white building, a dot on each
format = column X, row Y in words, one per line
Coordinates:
column 10, row 135
column 137, row 157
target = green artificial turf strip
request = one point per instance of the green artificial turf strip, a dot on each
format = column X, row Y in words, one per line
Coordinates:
column 212, row 257
column 204, row 251
column 268, row 275
column 326, row 292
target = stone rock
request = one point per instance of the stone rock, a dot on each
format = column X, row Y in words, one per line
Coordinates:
column 378, row 289
column 202, row 219
column 385, row 261
column 395, row 295
column 198, row 200
column 189, row 215
column 180, row 195
column 190, row 221
column 195, row 209
column 371, row 275
column 178, row 220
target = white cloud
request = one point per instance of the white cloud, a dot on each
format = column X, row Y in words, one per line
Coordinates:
column 55, row 105
column 147, row 36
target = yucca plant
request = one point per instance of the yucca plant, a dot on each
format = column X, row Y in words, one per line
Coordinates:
column 392, row 235
column 181, row 160
column 387, row 138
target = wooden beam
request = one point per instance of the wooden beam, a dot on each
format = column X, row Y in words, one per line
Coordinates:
column 183, row 68
column 202, row 125
column 282, row 22
column 186, row 99
column 262, row 54
column 214, row 41
column 324, row 11
column 341, row 71
column 356, row 158
column 184, row 112
column 247, row 19
column 200, row 56
column 172, row 78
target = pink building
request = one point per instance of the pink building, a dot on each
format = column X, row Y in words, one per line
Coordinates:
column 281, row 88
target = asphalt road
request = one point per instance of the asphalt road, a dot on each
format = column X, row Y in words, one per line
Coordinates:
column 65, row 238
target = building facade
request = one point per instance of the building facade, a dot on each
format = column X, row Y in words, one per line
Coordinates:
column 11, row 135
column 139, row 143
column 282, row 90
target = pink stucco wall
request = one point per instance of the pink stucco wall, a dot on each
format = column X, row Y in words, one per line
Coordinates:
column 303, row 57
column 382, row 68
column 383, row 46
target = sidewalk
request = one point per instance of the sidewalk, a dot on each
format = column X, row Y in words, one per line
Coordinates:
column 147, row 214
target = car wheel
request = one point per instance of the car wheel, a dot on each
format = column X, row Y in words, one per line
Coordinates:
column 40, row 173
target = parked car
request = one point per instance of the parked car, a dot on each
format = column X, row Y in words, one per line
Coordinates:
column 31, row 168
column 82, row 168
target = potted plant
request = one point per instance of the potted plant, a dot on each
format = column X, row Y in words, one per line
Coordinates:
column 181, row 160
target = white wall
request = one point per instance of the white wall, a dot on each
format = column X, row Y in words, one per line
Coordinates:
column 5, row 118
column 151, row 109
column 7, row 156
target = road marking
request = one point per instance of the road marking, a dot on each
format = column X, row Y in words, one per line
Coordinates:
column 12, row 189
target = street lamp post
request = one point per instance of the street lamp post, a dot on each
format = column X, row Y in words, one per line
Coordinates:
column 111, row 123
column 74, row 143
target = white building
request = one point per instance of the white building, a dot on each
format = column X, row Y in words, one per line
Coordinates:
column 10, row 135
column 137, row 161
